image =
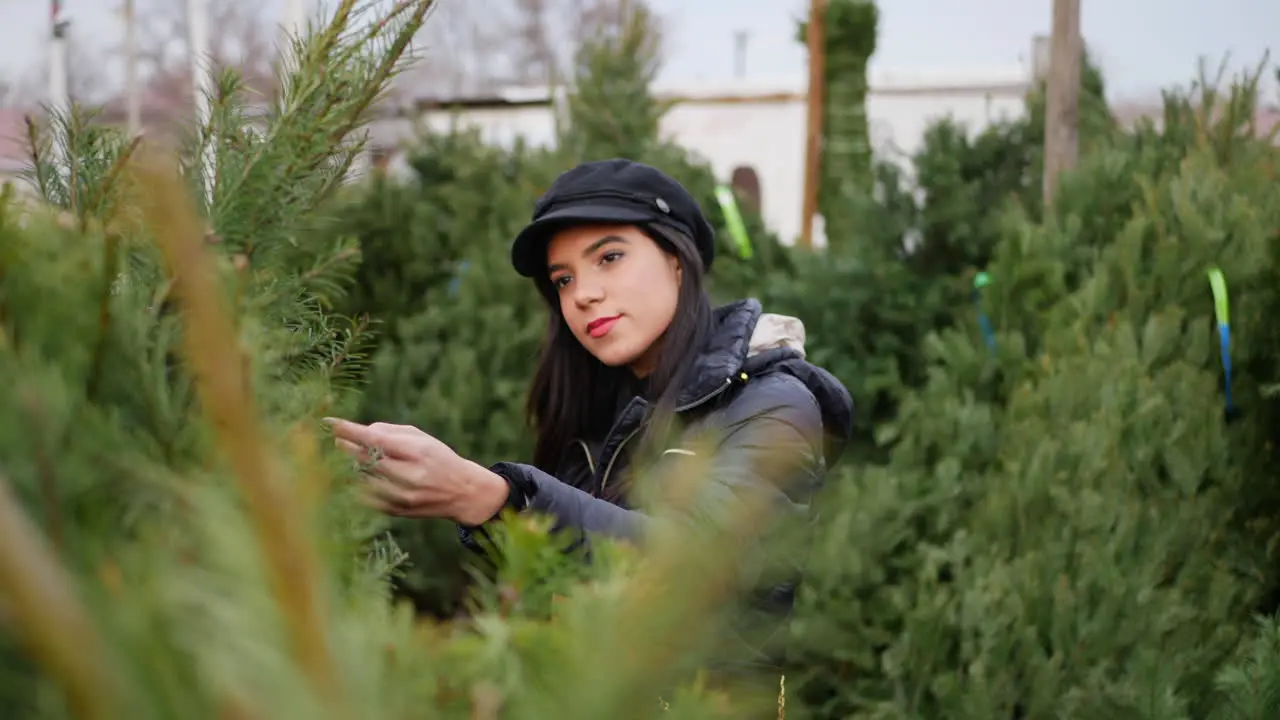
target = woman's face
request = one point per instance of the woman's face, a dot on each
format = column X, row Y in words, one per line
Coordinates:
column 618, row 291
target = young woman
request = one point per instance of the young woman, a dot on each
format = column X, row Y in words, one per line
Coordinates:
column 635, row 357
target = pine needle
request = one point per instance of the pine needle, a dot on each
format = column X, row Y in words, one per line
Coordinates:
column 224, row 390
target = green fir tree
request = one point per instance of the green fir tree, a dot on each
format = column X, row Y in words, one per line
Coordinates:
column 1067, row 525
column 846, row 173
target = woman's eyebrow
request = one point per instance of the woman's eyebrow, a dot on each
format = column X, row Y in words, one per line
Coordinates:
column 592, row 248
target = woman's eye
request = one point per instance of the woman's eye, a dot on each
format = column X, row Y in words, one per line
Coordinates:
column 611, row 256
column 560, row 282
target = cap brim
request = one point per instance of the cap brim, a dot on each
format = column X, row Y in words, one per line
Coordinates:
column 529, row 250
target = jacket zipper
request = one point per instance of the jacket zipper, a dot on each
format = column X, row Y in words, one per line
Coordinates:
column 604, row 480
column 591, row 462
column 728, row 382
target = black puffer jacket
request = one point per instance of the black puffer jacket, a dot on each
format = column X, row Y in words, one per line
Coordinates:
column 758, row 396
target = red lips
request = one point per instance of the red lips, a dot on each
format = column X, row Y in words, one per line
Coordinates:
column 600, row 327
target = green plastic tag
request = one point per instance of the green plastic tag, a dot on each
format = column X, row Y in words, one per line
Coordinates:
column 1218, row 284
column 737, row 228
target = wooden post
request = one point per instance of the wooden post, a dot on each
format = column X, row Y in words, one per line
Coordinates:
column 817, row 40
column 1061, row 142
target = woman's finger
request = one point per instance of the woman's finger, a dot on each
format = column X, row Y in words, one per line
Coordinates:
column 364, row 458
column 386, row 466
column 386, row 495
column 402, row 473
column 398, row 473
column 373, row 501
column 355, row 450
column 399, row 443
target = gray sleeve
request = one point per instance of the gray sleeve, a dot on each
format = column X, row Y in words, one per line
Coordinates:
column 769, row 450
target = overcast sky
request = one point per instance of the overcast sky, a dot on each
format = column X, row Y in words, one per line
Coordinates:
column 1143, row 44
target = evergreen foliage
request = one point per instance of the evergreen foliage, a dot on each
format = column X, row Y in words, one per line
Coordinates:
column 922, row 233
column 458, row 332
column 133, row 403
column 846, row 165
column 456, row 344
column 1063, row 522
column 620, row 117
column 1067, row 526
column 198, row 557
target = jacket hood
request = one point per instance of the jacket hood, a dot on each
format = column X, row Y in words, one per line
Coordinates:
column 747, row 339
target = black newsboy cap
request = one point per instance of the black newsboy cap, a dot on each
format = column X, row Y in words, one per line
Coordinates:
column 610, row 191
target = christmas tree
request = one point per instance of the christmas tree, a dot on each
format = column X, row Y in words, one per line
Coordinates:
column 177, row 538
column 1061, row 517
column 846, row 162
column 1068, row 525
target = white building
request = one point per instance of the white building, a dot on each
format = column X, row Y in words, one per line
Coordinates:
column 755, row 124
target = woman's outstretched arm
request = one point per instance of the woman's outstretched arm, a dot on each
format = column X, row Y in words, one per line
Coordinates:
column 770, row 452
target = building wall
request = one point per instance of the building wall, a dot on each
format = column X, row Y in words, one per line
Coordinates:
column 770, row 137
column 502, row 126
column 767, row 133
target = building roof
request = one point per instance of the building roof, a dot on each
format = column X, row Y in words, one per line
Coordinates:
column 778, row 88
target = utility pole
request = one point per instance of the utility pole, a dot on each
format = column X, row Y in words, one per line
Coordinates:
column 817, row 41
column 1062, row 111
column 59, row 85
column 202, row 88
column 132, row 90
column 740, row 53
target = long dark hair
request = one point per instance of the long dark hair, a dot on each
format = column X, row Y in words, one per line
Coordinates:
column 574, row 396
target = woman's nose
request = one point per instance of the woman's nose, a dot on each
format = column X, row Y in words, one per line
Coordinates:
column 586, row 293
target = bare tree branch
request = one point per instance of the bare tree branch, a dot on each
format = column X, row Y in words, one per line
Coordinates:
column 472, row 47
column 241, row 35
column 457, row 50
column 88, row 81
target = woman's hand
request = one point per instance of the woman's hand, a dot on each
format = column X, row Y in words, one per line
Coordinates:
column 412, row 474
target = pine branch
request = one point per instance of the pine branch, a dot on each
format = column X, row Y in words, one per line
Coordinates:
column 38, row 170
column 41, row 603
column 327, row 58
column 46, row 469
column 224, row 390
column 110, row 272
